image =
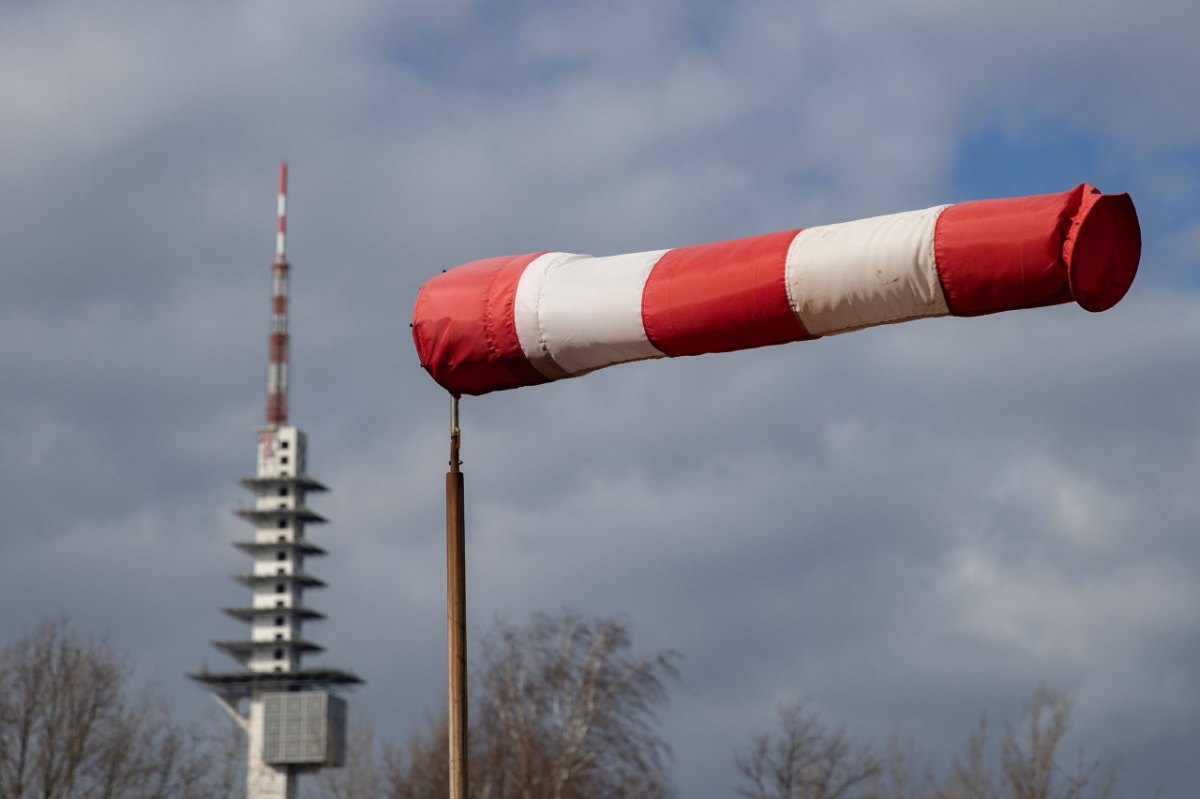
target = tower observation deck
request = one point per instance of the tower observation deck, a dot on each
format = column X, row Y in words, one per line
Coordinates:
column 292, row 715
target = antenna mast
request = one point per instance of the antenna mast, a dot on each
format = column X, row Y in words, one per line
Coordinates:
column 277, row 362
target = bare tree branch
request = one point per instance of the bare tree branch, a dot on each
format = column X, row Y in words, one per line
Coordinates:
column 803, row 759
column 1029, row 762
column 563, row 710
column 68, row 729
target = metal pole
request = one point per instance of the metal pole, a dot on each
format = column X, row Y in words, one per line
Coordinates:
column 456, row 604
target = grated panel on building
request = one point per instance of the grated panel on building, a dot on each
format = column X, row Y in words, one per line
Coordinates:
column 303, row 727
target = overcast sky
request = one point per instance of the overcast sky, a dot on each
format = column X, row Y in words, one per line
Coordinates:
column 908, row 526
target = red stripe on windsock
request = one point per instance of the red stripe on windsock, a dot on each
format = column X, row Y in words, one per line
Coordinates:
column 465, row 331
column 1025, row 252
column 729, row 295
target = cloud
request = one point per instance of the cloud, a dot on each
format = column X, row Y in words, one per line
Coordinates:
column 908, row 525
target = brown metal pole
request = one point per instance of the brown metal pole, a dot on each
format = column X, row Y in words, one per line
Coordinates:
column 456, row 617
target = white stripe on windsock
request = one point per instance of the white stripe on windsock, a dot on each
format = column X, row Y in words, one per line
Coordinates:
column 589, row 310
column 526, row 319
column 852, row 275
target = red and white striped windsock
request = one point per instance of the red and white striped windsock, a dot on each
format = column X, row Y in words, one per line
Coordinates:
column 277, row 350
column 522, row 320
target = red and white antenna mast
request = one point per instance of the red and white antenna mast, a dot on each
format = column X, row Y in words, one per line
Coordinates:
column 277, row 365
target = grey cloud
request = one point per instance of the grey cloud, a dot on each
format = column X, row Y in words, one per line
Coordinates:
column 909, row 525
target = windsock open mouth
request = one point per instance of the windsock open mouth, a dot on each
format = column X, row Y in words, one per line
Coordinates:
column 1102, row 250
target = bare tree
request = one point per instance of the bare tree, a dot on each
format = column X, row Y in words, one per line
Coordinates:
column 68, row 729
column 362, row 775
column 418, row 769
column 900, row 775
column 970, row 776
column 567, row 711
column 1030, row 764
column 803, row 759
column 563, row 709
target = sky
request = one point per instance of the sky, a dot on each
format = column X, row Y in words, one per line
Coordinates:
column 906, row 526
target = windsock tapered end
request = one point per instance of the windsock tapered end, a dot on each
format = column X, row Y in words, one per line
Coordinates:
column 1102, row 250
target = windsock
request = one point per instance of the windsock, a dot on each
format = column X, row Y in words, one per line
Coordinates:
column 522, row 320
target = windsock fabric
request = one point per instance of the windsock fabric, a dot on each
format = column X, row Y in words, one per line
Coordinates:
column 522, row 320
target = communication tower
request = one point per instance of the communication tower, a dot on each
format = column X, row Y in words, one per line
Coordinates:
column 294, row 720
